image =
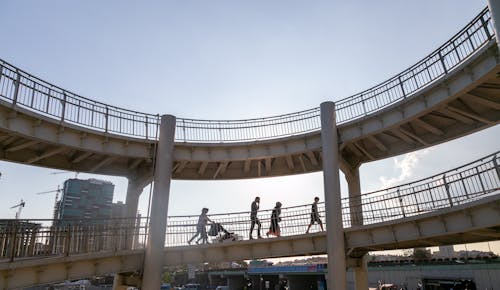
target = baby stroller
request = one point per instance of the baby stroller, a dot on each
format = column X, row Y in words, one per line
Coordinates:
column 220, row 234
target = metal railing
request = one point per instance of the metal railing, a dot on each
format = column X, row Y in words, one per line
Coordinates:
column 455, row 187
column 38, row 238
column 20, row 88
column 470, row 182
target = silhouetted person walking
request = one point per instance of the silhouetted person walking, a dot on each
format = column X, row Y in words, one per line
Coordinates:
column 201, row 227
column 315, row 218
column 254, row 219
column 274, row 228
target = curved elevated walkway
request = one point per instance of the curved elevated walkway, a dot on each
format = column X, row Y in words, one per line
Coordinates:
column 450, row 93
column 478, row 221
column 461, row 205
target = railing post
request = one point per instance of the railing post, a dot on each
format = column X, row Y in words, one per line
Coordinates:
column 463, row 185
column 480, row 180
column 441, row 59
column 13, row 241
column 484, row 24
column 364, row 106
column 16, row 87
column 184, row 129
column 430, row 194
column 401, row 86
column 147, row 127
column 67, row 240
column 106, row 120
column 63, row 107
column 470, row 40
column 446, row 186
column 497, row 169
column 401, row 204
column 48, row 101
column 416, row 199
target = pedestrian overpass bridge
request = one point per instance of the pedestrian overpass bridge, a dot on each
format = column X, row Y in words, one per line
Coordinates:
column 458, row 206
column 452, row 92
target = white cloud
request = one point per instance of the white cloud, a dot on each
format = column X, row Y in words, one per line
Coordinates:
column 405, row 168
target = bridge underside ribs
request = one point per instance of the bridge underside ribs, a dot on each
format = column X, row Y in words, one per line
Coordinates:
column 80, row 157
column 46, row 155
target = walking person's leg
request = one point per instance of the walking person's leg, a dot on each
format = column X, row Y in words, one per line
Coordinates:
column 252, row 225
column 259, row 226
column 195, row 235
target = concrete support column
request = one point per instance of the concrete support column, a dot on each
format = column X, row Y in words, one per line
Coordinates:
column 354, row 187
column 361, row 275
column 494, row 6
column 153, row 261
column 335, row 230
column 134, row 190
column 118, row 283
column 132, row 200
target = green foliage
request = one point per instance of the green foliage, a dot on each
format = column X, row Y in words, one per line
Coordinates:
column 166, row 278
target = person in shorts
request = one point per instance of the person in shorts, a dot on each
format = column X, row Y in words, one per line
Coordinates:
column 315, row 218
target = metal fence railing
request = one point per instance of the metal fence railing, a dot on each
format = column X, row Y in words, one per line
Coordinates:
column 20, row 88
column 470, row 182
column 38, row 238
column 461, row 185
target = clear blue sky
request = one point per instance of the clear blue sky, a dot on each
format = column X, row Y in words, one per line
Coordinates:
column 227, row 60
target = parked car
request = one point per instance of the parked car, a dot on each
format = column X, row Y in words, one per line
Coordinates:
column 222, row 288
column 192, row 287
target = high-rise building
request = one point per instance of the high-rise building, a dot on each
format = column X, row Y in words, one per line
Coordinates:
column 86, row 199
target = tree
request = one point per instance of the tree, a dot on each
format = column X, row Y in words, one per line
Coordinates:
column 166, row 278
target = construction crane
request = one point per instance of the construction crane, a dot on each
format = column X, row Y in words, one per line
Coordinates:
column 20, row 207
column 65, row 172
column 57, row 191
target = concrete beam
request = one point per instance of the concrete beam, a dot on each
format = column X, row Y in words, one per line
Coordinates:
column 482, row 101
column 221, row 169
column 203, row 167
column 456, row 116
column 21, row 146
column 82, row 156
column 182, row 164
column 413, row 136
column 381, row 146
column 469, row 114
column 135, row 163
column 398, row 134
column 103, row 162
column 289, row 162
column 46, row 155
column 312, row 158
column 268, row 163
column 424, row 125
column 363, row 150
column 246, row 167
column 302, row 164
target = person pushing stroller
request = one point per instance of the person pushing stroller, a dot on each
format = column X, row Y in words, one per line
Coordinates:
column 201, row 227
